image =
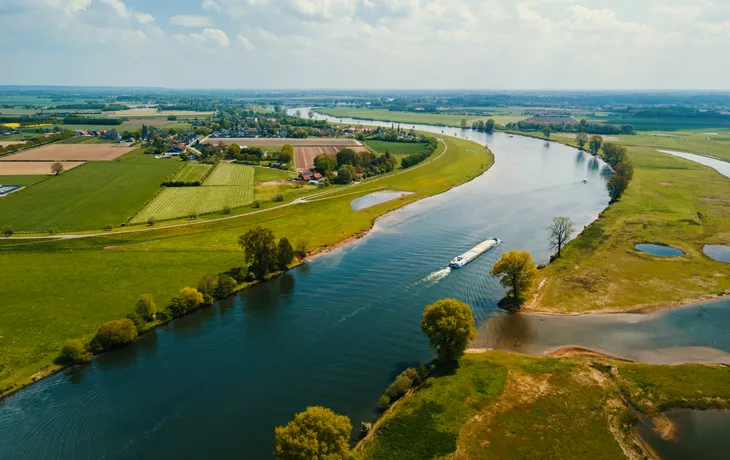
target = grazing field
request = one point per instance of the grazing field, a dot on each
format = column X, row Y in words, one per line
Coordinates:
column 605, row 137
column 498, row 405
column 70, row 152
column 24, row 168
column 279, row 141
column 87, row 197
column 415, row 117
column 231, row 174
column 405, row 148
column 699, row 142
column 270, row 174
column 192, row 172
column 21, row 179
column 182, row 201
column 267, row 192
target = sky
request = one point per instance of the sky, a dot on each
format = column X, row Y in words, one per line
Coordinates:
column 368, row 44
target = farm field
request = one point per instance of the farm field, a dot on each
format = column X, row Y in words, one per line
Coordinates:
column 148, row 121
column 37, row 318
column 152, row 112
column 70, row 152
column 664, row 124
column 192, row 172
column 87, row 197
column 21, row 179
column 288, row 190
column 24, row 168
column 413, row 117
column 182, row 201
column 7, row 143
column 83, row 140
column 269, row 174
column 279, row 141
column 230, row 174
column 405, row 148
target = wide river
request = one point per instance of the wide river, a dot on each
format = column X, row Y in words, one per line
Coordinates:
column 333, row 332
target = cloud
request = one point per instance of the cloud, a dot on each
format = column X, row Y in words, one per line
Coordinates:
column 206, row 39
column 586, row 19
column 118, row 6
column 324, row 9
column 74, row 6
column 190, row 20
column 210, row 5
column 243, row 40
column 144, row 18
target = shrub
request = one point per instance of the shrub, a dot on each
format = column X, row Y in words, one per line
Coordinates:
column 208, row 284
column 285, row 253
column 151, row 221
column 256, row 204
column 189, row 299
column 226, row 210
column 384, row 401
column 399, row 387
column 301, row 250
column 146, row 307
column 193, row 215
column 108, row 227
column 315, row 433
column 163, row 315
column 226, row 286
column 241, row 274
column 8, row 231
column 279, row 197
column 115, row 333
column 73, row 352
column 136, row 319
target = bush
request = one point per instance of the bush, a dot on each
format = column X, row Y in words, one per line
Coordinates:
column 226, row 286
column 164, row 315
column 190, row 299
column 115, row 333
column 285, row 253
column 8, row 232
column 301, row 250
column 279, row 197
column 208, row 284
column 151, row 221
column 108, row 227
column 193, row 215
column 136, row 319
column 226, row 210
column 256, row 204
column 73, row 352
column 399, row 387
column 384, row 401
column 241, row 274
column 146, row 307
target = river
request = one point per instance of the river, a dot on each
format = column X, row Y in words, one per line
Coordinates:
column 333, row 332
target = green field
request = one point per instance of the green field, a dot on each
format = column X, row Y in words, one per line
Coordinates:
column 181, row 201
column 192, row 172
column 46, row 298
column 414, row 117
column 499, row 405
column 231, row 174
column 83, row 140
column 21, row 180
column 663, row 124
column 398, row 148
column 269, row 174
column 87, row 197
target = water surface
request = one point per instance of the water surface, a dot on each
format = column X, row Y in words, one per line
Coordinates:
column 374, row 198
column 698, row 435
column 717, row 252
column 659, row 250
column 723, row 167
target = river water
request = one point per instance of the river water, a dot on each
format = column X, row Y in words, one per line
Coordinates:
column 333, row 332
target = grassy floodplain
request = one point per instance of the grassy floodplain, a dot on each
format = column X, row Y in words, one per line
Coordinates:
column 192, row 172
column 231, row 174
column 268, row 174
column 90, row 196
column 500, row 405
column 414, row 117
column 670, row 201
column 398, row 148
column 46, row 296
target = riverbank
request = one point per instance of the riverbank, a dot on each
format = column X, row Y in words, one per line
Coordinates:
column 561, row 407
column 47, row 293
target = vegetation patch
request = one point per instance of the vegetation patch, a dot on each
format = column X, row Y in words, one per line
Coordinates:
column 231, row 174
column 188, row 201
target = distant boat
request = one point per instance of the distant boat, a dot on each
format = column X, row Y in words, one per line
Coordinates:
column 473, row 253
column 585, row 181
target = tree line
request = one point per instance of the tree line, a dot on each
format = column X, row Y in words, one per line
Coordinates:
column 348, row 163
column 36, row 142
column 581, row 127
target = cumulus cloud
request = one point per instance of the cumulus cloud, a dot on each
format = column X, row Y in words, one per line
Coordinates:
column 210, row 5
column 144, row 18
column 190, row 20
column 324, row 9
column 74, row 6
column 118, row 6
column 245, row 42
column 207, row 39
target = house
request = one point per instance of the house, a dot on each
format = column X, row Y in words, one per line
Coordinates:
column 316, row 176
column 306, row 176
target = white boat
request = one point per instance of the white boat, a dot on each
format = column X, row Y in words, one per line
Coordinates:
column 473, row 253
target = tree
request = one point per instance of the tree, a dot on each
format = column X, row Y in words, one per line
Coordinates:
column 57, row 168
column 616, row 186
column 287, row 154
column 315, row 433
column 284, row 253
column 595, row 145
column 516, row 271
column 208, row 284
column 324, row 163
column 226, row 286
column 582, row 139
column 298, row 113
column 8, row 232
column 463, row 123
column 489, row 126
column 188, row 300
column 311, row 114
column 348, row 157
column 260, row 250
column 73, row 352
column 546, row 131
column 146, row 307
column 234, row 151
column 115, row 333
column 559, row 231
column 345, row 175
column 449, row 325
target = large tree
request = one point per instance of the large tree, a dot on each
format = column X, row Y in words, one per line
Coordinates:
column 582, row 139
column 489, row 126
column 546, row 131
column 146, row 307
column 559, row 232
column 57, row 168
column 316, row 433
column 516, row 271
column 595, row 145
column 285, row 253
column 449, row 325
column 325, row 162
column 259, row 246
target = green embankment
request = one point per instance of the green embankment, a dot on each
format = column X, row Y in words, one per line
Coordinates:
column 46, row 295
column 415, row 117
column 499, row 405
column 89, row 196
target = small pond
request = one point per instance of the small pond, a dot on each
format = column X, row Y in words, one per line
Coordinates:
column 659, row 250
column 696, row 435
column 717, row 252
column 374, row 198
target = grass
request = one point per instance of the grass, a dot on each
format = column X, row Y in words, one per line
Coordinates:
column 670, row 201
column 231, row 174
column 662, row 124
column 414, row 117
column 182, row 201
column 46, row 298
column 21, row 180
column 83, row 140
column 192, row 172
column 87, row 197
column 500, row 405
column 287, row 190
column 404, row 148
column 686, row 141
column 269, row 174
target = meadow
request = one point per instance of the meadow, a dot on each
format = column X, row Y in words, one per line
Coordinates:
column 21, row 180
column 268, row 174
column 90, row 196
column 663, row 124
column 414, row 117
column 46, row 298
column 498, row 405
column 399, row 148
column 192, row 172
column 182, row 201
column 231, row 174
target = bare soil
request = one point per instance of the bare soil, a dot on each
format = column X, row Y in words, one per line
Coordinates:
column 33, row 168
column 70, row 152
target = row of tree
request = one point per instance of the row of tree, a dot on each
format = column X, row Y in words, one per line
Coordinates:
column 264, row 255
column 483, row 127
column 36, row 142
column 582, row 127
column 623, row 170
column 349, row 163
column 412, row 160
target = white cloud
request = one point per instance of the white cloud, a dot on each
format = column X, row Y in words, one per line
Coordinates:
column 118, row 6
column 586, row 19
column 324, row 9
column 245, row 42
column 206, row 39
column 73, row 6
column 144, row 18
column 210, row 5
column 190, row 20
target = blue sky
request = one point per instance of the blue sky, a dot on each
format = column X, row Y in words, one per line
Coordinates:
column 409, row 44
